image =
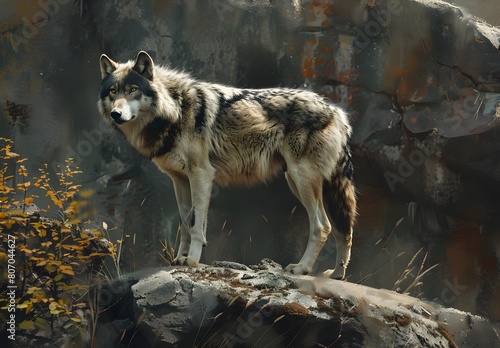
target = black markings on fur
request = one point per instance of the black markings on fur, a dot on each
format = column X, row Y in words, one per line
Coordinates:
column 337, row 202
column 200, row 118
column 227, row 103
column 293, row 114
column 346, row 163
column 265, row 106
column 154, row 131
column 106, row 85
column 185, row 102
column 175, row 95
column 169, row 140
column 160, row 135
column 193, row 218
column 133, row 78
column 339, row 194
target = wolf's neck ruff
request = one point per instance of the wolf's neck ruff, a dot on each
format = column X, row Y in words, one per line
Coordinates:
column 199, row 133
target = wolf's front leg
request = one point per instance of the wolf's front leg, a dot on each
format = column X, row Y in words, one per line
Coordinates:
column 183, row 196
column 201, row 188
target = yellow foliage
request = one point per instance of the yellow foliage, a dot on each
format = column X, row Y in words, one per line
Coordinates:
column 47, row 248
column 27, row 305
column 55, row 308
column 4, row 189
column 51, row 267
column 66, row 270
column 65, row 230
column 25, row 249
column 55, row 199
column 8, row 223
column 46, row 244
column 27, row 325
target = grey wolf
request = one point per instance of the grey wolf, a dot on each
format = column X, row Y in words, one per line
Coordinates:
column 201, row 133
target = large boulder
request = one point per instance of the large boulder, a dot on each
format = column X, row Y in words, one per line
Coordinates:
column 233, row 305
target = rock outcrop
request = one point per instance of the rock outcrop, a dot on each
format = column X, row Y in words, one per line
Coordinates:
column 231, row 305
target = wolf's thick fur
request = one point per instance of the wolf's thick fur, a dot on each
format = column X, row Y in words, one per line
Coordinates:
column 199, row 133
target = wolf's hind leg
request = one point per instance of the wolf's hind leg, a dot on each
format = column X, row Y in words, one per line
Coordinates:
column 344, row 244
column 308, row 188
column 339, row 195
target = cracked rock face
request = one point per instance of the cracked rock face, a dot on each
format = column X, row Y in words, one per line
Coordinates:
column 412, row 72
column 407, row 71
column 264, row 306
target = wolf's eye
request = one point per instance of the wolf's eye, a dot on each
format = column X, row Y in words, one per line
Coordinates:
column 112, row 91
column 133, row 89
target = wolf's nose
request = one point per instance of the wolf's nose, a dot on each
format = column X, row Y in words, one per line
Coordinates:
column 115, row 115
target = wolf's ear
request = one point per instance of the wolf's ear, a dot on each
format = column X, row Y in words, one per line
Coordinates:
column 107, row 66
column 144, row 65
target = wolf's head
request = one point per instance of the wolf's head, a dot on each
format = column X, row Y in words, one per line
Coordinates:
column 126, row 88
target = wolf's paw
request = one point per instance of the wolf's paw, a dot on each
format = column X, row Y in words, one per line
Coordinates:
column 296, row 269
column 184, row 261
column 338, row 273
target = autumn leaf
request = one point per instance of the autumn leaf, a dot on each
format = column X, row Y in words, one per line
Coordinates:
column 8, row 223
column 41, row 232
column 65, row 230
column 72, row 247
column 66, row 270
column 9, row 153
column 23, row 305
column 51, row 268
column 55, row 308
column 55, row 199
column 32, row 289
column 98, row 254
column 27, row 325
column 87, row 193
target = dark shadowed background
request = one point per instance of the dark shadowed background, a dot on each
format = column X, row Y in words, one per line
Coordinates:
column 420, row 80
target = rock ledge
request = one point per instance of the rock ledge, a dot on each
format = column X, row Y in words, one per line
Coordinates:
column 235, row 305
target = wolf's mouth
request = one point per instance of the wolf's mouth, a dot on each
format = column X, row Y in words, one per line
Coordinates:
column 117, row 117
column 121, row 121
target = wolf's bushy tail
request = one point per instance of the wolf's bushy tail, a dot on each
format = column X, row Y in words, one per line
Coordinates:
column 339, row 197
column 339, row 194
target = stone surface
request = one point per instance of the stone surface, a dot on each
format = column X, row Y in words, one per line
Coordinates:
column 264, row 306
